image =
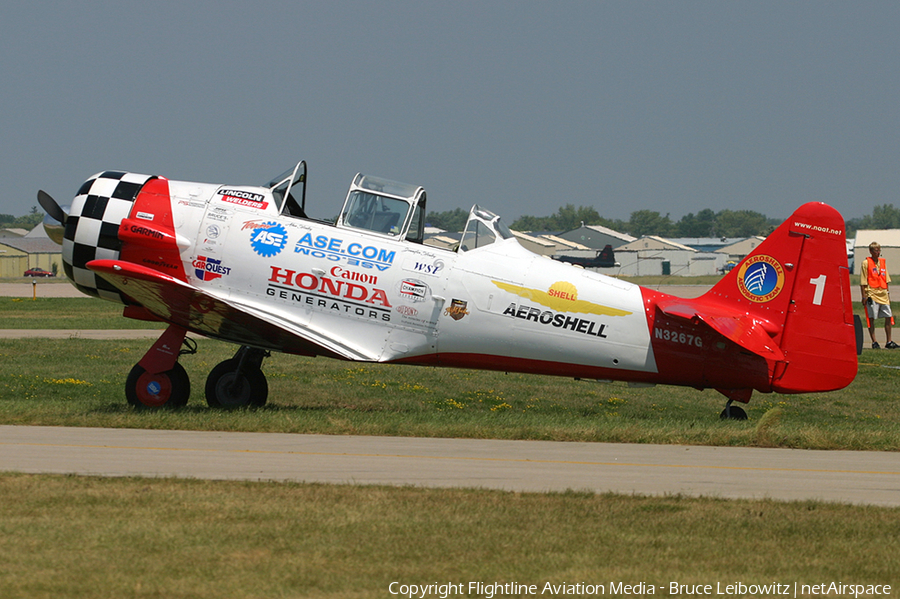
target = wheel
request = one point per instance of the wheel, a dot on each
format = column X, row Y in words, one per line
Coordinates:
column 736, row 413
column 170, row 389
column 226, row 389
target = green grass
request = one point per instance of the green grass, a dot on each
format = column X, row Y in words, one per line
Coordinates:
column 80, row 382
column 66, row 313
column 91, row 537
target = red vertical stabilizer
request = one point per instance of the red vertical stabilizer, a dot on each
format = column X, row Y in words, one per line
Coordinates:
column 796, row 285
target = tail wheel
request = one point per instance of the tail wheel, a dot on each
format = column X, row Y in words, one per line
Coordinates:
column 227, row 387
column 733, row 413
column 170, row 389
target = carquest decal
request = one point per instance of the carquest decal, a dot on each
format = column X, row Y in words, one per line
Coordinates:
column 761, row 278
column 209, row 269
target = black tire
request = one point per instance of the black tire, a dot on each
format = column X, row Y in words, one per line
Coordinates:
column 169, row 389
column 736, row 414
column 225, row 390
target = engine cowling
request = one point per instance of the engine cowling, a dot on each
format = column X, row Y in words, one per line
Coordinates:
column 92, row 228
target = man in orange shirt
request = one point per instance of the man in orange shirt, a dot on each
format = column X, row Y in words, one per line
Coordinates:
column 876, row 296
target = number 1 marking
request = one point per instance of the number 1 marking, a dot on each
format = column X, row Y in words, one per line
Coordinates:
column 819, row 282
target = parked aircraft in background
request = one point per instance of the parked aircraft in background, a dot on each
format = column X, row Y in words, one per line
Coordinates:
column 245, row 264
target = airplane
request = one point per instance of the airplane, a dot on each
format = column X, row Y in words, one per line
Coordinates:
column 246, row 265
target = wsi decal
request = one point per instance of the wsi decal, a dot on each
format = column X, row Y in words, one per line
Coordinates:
column 354, row 254
column 761, row 278
column 424, row 267
column 208, row 269
column 267, row 239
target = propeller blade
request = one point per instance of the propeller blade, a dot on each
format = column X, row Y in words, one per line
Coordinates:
column 51, row 207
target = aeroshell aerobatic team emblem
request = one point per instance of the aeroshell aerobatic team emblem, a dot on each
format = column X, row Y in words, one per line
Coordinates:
column 761, row 278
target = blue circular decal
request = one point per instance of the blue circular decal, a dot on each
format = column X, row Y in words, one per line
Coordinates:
column 268, row 239
column 154, row 388
column 761, row 278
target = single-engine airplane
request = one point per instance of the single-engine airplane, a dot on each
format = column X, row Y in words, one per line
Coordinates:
column 245, row 264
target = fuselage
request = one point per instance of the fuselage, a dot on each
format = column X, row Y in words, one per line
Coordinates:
column 367, row 288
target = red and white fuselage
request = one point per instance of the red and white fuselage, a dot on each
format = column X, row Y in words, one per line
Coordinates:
column 245, row 265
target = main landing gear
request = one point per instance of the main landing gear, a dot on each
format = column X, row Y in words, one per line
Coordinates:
column 238, row 382
column 159, row 381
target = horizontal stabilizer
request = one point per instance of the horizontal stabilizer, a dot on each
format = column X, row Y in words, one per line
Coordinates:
column 751, row 333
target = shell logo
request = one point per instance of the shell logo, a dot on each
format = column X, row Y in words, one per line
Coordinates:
column 564, row 291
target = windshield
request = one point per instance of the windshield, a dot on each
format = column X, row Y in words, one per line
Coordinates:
column 375, row 212
column 289, row 191
column 483, row 228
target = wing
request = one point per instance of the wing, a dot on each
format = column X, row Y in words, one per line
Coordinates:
column 177, row 302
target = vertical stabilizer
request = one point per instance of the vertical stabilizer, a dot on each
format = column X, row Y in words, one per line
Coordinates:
column 796, row 284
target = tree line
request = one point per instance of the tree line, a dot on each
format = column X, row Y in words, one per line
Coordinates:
column 705, row 223
column 27, row 222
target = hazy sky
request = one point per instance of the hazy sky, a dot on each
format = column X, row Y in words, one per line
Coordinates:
column 521, row 107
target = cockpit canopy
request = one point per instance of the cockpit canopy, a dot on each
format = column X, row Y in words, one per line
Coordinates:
column 385, row 207
column 483, row 228
column 289, row 191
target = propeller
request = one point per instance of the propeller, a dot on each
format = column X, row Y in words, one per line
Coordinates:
column 54, row 213
column 51, row 207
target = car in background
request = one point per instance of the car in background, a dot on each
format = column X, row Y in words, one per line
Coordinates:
column 38, row 272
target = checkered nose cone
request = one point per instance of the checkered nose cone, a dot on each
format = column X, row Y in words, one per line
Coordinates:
column 92, row 228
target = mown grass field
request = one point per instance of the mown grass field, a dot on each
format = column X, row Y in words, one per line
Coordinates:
column 66, row 536
column 80, row 382
column 101, row 538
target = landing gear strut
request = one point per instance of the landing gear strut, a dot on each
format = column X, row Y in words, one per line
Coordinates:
column 238, row 382
column 158, row 380
column 732, row 412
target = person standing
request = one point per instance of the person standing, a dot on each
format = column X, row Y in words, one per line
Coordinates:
column 876, row 297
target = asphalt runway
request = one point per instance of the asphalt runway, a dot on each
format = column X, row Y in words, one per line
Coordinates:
column 537, row 466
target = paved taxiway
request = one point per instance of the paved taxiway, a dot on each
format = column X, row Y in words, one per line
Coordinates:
column 783, row 474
